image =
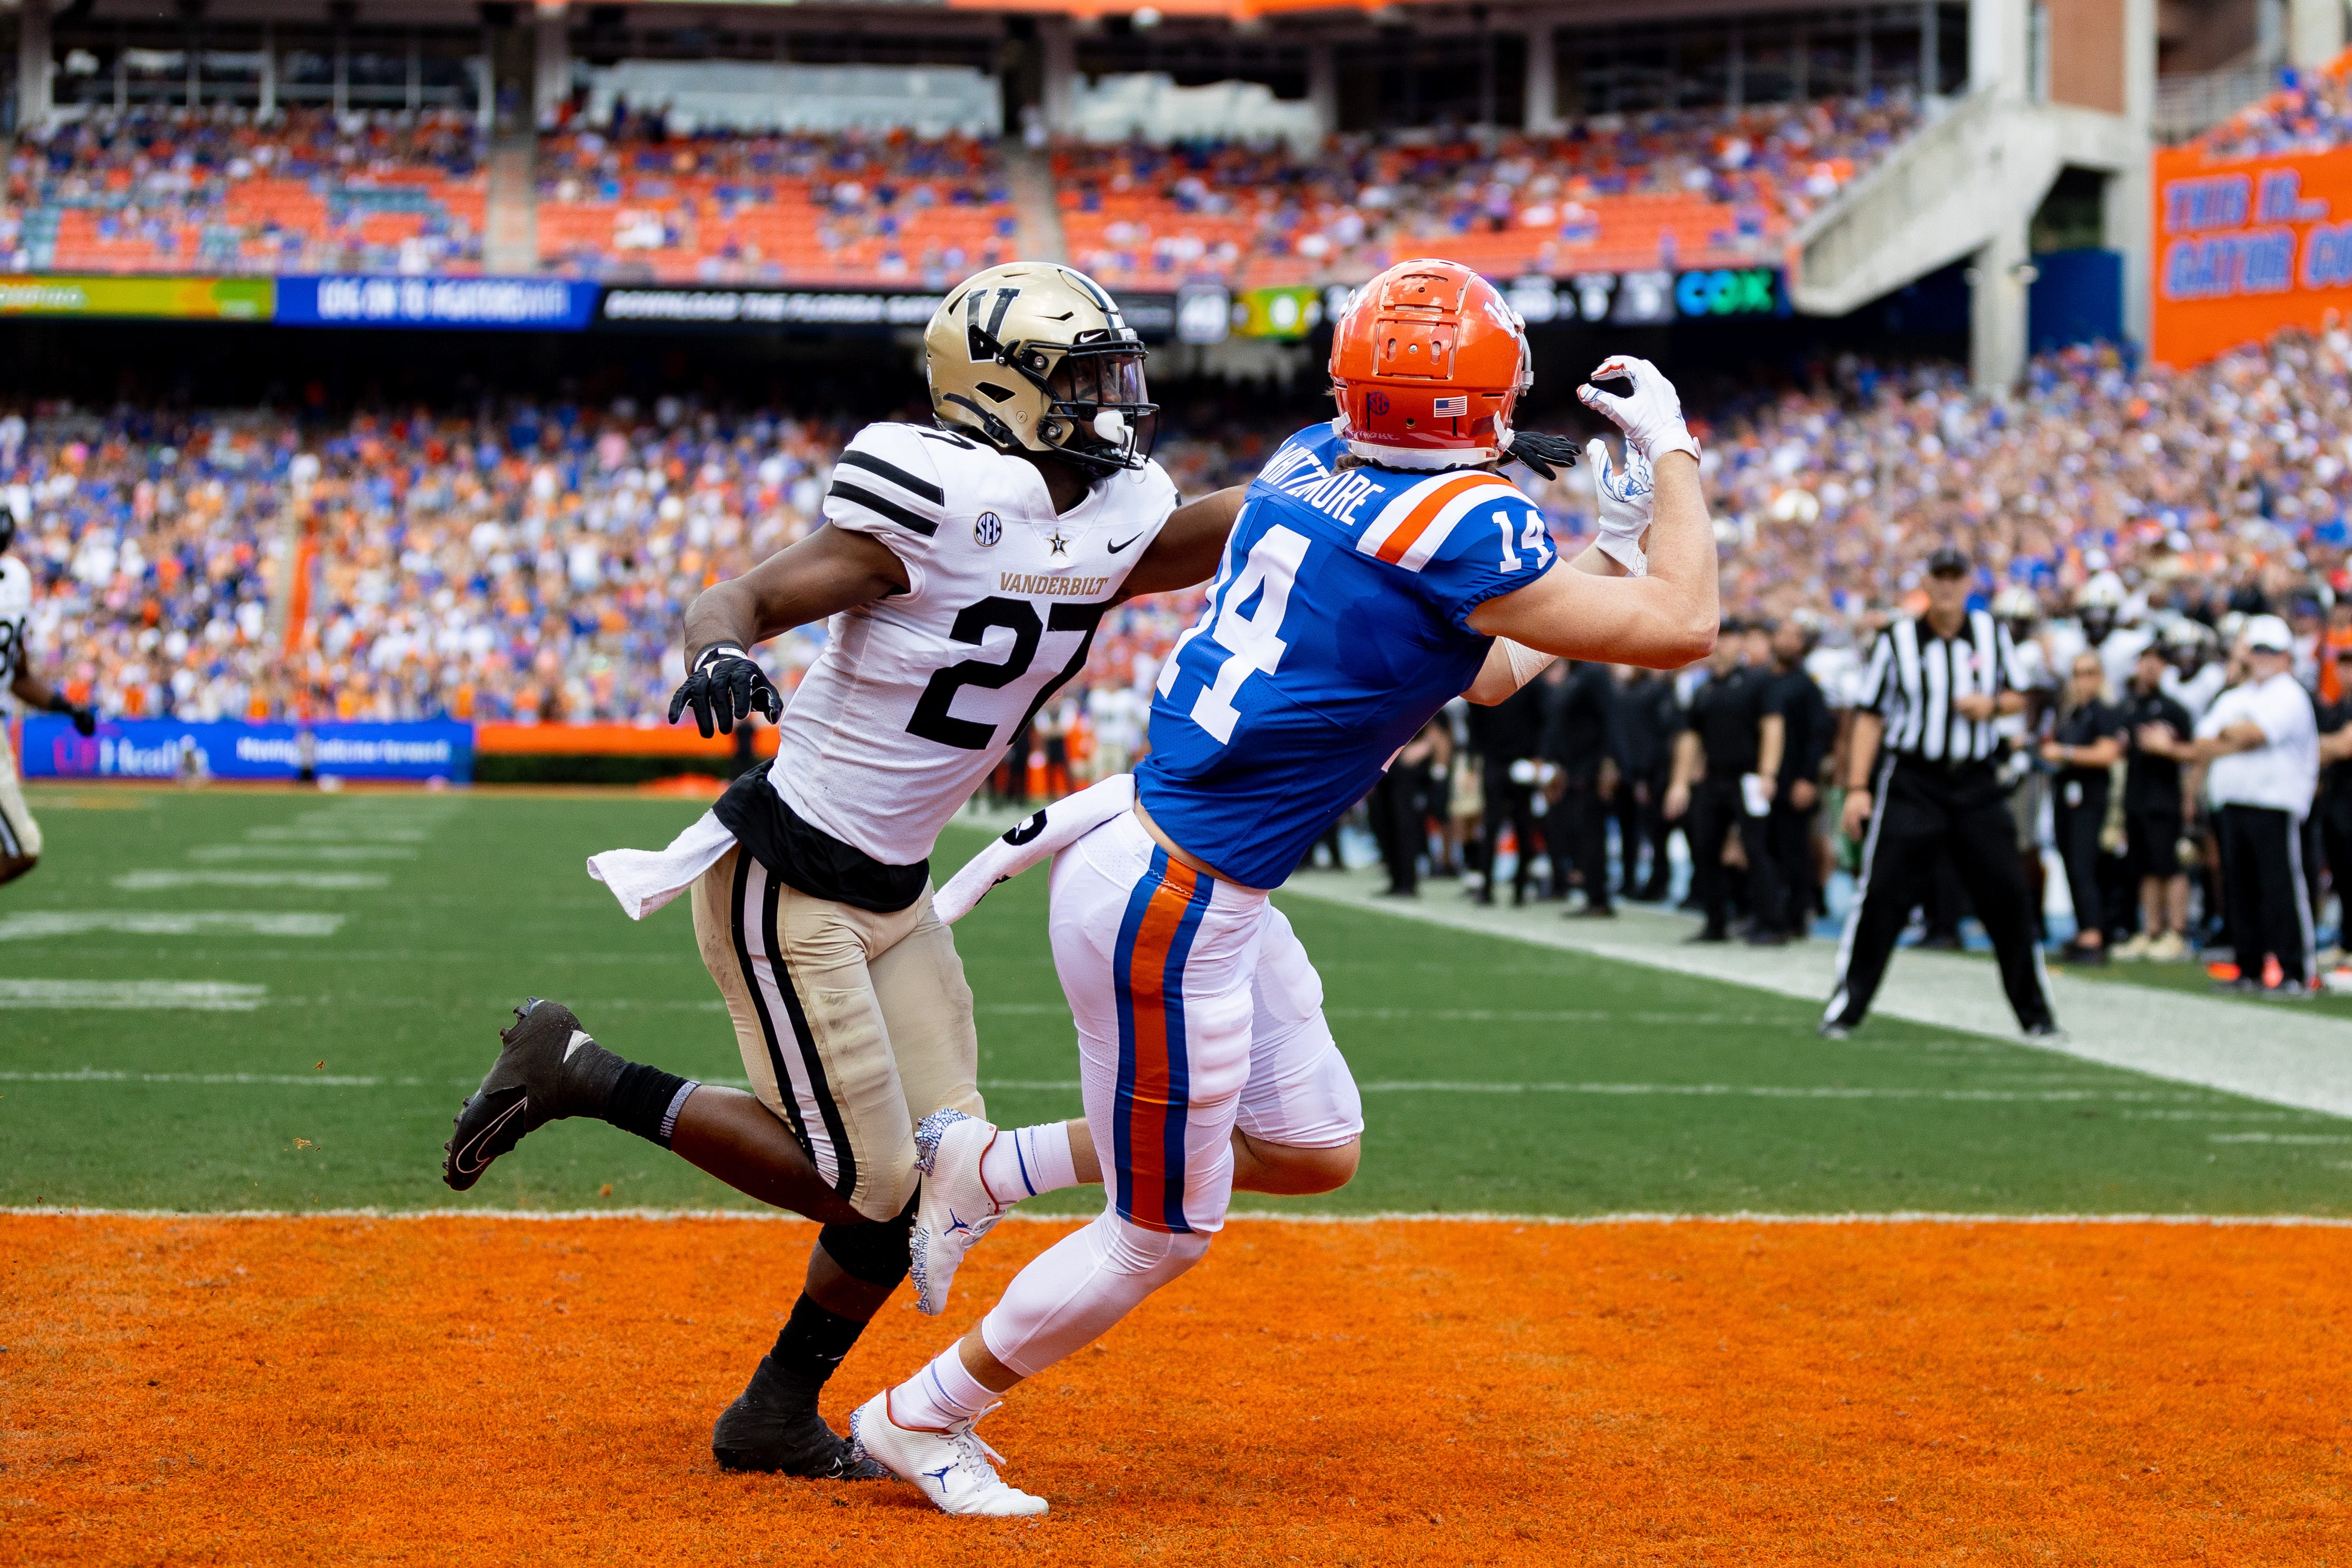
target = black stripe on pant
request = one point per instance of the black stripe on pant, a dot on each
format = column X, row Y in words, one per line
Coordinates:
column 1927, row 818
column 2261, row 873
column 760, row 910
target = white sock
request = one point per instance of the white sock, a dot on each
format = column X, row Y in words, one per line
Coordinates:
column 939, row 1396
column 1026, row 1161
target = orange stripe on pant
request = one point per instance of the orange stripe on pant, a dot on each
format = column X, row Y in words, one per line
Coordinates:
column 1148, row 1094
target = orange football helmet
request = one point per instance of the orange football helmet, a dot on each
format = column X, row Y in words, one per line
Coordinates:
column 1427, row 363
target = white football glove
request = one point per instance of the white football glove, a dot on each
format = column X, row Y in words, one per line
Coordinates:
column 1626, row 497
column 1651, row 417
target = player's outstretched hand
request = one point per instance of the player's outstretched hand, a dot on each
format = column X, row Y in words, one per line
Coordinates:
column 725, row 686
column 1547, row 455
column 1650, row 415
column 85, row 722
column 1625, row 496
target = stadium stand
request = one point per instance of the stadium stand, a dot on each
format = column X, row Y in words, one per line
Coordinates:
column 2311, row 113
column 640, row 205
column 534, row 561
column 215, row 192
column 1696, row 188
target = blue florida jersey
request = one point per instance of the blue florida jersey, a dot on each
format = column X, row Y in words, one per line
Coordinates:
column 1337, row 625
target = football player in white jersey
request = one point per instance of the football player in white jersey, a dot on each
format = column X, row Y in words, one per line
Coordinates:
column 20, row 835
column 965, row 571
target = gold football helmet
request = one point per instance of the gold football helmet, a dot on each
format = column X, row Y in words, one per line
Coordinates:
column 1034, row 357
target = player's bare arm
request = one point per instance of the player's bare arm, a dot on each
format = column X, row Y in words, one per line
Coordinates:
column 34, row 692
column 833, row 569
column 1666, row 616
column 1189, row 546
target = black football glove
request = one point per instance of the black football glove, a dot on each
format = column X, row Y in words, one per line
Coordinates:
column 725, row 687
column 1547, row 455
column 85, row 719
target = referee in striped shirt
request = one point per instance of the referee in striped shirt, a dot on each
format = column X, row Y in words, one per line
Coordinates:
column 1920, row 774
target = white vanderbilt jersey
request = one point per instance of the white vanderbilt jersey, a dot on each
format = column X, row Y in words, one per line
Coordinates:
column 16, row 611
column 918, row 694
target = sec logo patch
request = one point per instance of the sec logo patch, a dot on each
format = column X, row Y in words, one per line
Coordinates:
column 987, row 528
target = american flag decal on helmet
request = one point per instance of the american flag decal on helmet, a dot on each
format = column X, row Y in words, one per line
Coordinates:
column 1455, row 407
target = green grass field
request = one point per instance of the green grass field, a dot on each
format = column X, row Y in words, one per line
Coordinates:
column 353, row 955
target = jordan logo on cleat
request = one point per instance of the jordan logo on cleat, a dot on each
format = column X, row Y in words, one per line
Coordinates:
column 955, row 1225
column 940, row 1476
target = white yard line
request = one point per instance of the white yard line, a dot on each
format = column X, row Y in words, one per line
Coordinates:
column 35, row 925
column 309, row 881
column 125, row 995
column 328, row 852
column 2269, row 1053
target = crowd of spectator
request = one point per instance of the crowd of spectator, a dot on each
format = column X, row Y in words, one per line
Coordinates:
column 2311, row 112
column 1700, row 188
column 219, row 191
column 532, row 560
column 632, row 201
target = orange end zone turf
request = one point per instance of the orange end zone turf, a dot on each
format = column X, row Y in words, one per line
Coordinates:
column 462, row 1391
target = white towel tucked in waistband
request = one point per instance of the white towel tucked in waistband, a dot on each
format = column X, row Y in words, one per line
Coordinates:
column 1034, row 839
column 646, row 879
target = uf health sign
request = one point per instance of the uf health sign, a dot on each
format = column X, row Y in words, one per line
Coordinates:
column 2243, row 248
column 533, row 304
column 160, row 749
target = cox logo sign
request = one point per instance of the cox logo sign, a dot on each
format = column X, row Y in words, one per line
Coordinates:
column 1749, row 291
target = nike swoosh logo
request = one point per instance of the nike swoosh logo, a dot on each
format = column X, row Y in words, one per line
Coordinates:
column 464, row 1161
column 579, row 1037
column 1125, row 543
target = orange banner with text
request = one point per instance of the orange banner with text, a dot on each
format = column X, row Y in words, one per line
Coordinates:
column 2247, row 246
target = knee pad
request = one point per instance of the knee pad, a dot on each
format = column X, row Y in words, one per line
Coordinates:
column 872, row 1250
column 1153, row 1257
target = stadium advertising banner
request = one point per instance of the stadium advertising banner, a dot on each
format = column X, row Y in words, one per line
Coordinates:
column 663, row 305
column 2244, row 248
column 163, row 749
column 175, row 299
column 511, row 304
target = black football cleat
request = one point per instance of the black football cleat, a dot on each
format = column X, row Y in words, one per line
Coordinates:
column 548, row 1068
column 773, row 1429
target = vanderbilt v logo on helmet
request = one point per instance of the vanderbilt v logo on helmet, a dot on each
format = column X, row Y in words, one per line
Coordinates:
column 1034, row 357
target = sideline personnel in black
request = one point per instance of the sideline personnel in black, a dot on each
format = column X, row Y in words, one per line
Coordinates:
column 1580, row 737
column 1807, row 733
column 1934, row 687
column 1733, row 736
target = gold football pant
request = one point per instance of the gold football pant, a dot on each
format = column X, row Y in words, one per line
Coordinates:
column 20, row 835
column 854, row 1026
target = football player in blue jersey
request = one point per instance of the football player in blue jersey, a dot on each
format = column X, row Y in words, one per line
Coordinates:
column 1380, row 565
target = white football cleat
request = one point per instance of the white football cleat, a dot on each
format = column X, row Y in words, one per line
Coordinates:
column 955, row 1208
column 952, row 1467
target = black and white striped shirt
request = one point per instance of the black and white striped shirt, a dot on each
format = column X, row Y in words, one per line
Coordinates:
column 1915, row 678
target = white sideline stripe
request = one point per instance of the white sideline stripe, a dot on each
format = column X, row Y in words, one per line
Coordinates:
column 197, row 995
column 2259, row 1050
column 1467, row 1015
column 320, row 833
column 1736, row 1090
column 315, row 881
column 33, row 925
column 1474, row 1216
